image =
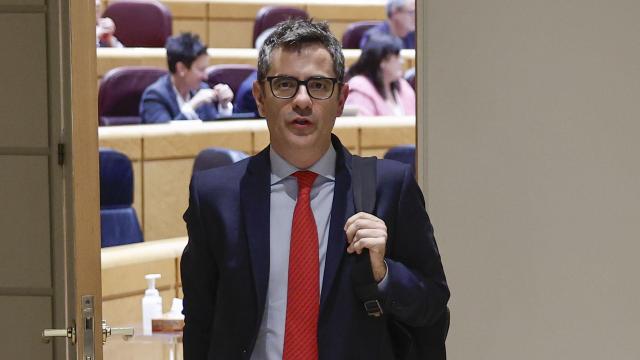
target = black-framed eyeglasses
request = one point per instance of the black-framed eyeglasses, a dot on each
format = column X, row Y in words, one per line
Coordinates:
column 286, row 87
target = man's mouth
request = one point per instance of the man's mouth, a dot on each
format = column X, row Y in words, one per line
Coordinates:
column 301, row 122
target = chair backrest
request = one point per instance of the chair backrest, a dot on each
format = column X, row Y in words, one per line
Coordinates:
column 403, row 153
column 215, row 157
column 230, row 74
column 269, row 16
column 120, row 92
column 119, row 222
column 353, row 33
column 140, row 23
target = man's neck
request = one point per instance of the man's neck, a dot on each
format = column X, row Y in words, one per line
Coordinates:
column 183, row 89
column 301, row 158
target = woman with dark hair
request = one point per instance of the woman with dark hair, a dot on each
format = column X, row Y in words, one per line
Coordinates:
column 376, row 86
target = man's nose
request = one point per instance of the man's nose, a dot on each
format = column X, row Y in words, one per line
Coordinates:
column 302, row 100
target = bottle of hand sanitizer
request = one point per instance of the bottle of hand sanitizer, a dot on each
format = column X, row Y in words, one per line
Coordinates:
column 151, row 303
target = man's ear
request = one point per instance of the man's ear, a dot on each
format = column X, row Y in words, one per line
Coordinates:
column 181, row 68
column 344, row 92
column 258, row 95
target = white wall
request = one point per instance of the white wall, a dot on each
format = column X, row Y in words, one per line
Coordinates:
column 533, row 177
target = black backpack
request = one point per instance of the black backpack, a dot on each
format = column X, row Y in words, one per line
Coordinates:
column 408, row 342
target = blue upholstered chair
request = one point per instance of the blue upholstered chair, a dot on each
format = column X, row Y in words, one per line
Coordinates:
column 118, row 219
column 215, row 157
column 403, row 153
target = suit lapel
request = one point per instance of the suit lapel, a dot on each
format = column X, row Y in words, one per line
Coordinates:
column 255, row 193
column 171, row 94
column 341, row 208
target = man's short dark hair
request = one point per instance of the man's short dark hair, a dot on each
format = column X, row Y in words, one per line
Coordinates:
column 292, row 35
column 184, row 48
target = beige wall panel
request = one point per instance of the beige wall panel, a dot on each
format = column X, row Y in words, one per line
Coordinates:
column 378, row 137
column 166, row 190
column 260, row 139
column 240, row 9
column 23, row 93
column 33, row 314
column 346, row 12
column 189, row 144
column 26, row 244
column 127, row 311
column 374, row 152
column 126, row 279
column 230, row 33
column 119, row 349
column 128, row 145
column 21, row 2
column 193, row 26
column 533, row 178
column 187, row 9
column 349, row 136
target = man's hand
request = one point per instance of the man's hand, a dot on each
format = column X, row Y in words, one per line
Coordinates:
column 365, row 231
column 105, row 27
column 224, row 94
column 203, row 96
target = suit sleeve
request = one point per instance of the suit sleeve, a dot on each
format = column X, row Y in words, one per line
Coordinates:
column 199, row 275
column 155, row 110
column 416, row 292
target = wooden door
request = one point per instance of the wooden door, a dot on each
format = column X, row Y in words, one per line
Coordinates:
column 49, row 191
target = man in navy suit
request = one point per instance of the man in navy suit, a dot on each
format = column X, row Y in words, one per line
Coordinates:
column 244, row 229
column 401, row 22
column 182, row 94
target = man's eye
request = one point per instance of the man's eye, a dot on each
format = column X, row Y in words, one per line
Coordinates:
column 285, row 84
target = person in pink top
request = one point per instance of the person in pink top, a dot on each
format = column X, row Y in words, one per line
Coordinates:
column 376, row 85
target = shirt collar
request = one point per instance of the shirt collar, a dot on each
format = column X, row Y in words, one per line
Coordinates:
column 281, row 169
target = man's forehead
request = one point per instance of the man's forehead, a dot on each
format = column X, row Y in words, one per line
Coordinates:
column 281, row 56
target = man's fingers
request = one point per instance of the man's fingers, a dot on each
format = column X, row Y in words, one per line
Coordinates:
column 354, row 225
column 371, row 243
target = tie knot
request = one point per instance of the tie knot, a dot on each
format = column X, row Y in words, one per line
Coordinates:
column 305, row 179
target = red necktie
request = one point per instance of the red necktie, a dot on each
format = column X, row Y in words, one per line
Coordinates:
column 303, row 290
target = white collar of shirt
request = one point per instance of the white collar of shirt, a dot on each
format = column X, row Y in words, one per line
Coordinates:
column 179, row 98
column 281, row 169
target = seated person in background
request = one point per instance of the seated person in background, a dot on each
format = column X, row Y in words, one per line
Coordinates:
column 245, row 102
column 105, row 28
column 401, row 22
column 182, row 94
column 376, row 86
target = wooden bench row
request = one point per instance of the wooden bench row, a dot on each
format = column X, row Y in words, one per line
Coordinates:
column 109, row 58
column 229, row 23
column 162, row 157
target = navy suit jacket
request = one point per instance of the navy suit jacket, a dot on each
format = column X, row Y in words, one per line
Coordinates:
column 244, row 98
column 159, row 105
column 408, row 42
column 225, row 266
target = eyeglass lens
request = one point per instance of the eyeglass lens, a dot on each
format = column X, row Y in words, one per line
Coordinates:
column 286, row 87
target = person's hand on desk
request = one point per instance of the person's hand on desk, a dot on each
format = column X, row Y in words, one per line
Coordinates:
column 203, row 96
column 224, row 94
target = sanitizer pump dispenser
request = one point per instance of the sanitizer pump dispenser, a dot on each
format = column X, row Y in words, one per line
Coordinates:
column 151, row 304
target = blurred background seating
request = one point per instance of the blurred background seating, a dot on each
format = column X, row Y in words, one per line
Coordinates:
column 353, row 33
column 405, row 154
column 213, row 157
column 140, row 23
column 118, row 220
column 120, row 92
column 269, row 16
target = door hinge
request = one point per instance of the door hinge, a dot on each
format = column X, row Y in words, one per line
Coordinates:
column 61, row 154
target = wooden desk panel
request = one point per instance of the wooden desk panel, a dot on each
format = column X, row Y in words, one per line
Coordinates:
column 167, row 153
column 109, row 58
column 229, row 23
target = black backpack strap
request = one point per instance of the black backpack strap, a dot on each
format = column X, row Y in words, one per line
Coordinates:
column 363, row 183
